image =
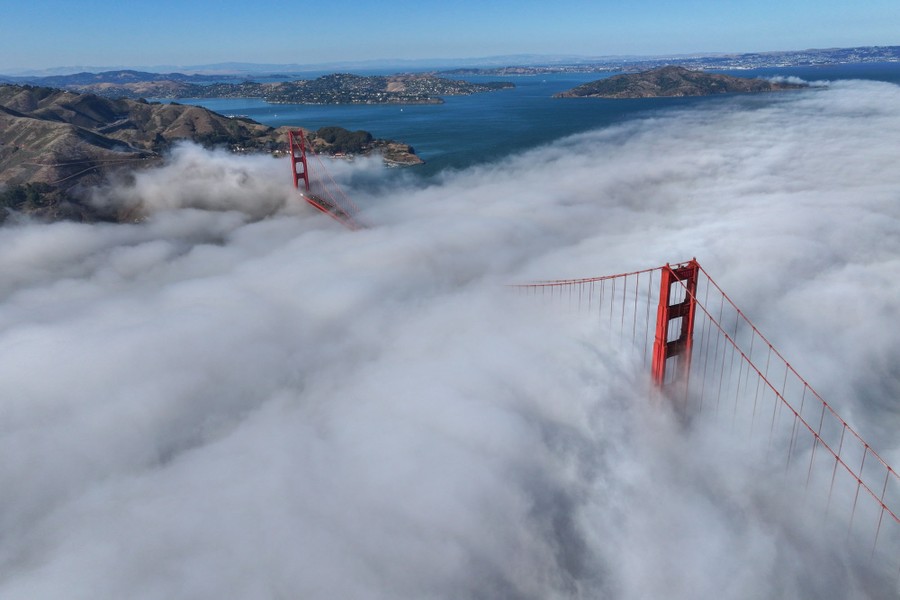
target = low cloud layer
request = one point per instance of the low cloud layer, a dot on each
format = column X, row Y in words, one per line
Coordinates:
column 237, row 398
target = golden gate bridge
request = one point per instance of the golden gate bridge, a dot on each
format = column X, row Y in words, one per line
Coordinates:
column 322, row 193
column 705, row 357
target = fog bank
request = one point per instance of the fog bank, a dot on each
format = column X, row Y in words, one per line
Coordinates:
column 236, row 397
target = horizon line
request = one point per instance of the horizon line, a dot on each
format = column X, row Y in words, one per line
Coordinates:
column 490, row 60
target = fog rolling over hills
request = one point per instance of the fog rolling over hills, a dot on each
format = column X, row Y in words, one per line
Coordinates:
column 239, row 398
column 61, row 143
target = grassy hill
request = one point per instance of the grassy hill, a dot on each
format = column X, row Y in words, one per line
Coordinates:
column 55, row 143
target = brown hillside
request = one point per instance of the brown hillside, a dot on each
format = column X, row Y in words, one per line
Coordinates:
column 59, row 142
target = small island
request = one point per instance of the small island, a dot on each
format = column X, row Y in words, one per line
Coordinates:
column 673, row 82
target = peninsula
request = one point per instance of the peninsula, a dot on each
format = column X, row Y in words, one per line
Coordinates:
column 337, row 88
column 672, row 81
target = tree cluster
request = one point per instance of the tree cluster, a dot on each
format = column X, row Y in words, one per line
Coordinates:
column 342, row 140
column 25, row 197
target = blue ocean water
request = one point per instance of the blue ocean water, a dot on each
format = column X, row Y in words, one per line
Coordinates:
column 468, row 130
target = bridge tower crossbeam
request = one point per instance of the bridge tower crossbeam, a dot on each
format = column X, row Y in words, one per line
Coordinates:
column 675, row 314
column 299, row 166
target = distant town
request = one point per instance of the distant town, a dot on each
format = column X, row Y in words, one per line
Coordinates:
column 755, row 60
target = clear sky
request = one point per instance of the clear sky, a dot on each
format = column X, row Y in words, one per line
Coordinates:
column 51, row 33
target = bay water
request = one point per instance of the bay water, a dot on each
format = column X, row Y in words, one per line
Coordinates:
column 469, row 130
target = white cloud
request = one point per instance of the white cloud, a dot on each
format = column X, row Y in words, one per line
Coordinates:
column 237, row 398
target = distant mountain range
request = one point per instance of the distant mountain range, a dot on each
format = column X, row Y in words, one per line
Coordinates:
column 720, row 60
column 240, row 69
column 110, row 77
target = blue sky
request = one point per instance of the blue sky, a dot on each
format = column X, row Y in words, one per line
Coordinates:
column 49, row 33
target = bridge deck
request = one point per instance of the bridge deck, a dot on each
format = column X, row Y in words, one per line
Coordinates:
column 332, row 210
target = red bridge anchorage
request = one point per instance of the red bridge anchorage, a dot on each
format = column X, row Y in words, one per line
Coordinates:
column 708, row 359
column 321, row 192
